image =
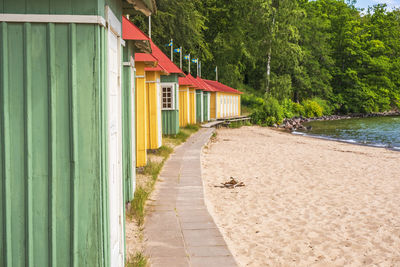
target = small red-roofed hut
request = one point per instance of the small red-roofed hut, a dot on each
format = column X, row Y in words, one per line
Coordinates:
column 227, row 100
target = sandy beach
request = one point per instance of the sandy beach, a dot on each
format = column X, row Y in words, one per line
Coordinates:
column 306, row 201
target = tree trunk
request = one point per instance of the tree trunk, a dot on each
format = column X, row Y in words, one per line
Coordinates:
column 268, row 67
column 267, row 89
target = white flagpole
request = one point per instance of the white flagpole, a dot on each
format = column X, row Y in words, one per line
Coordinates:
column 180, row 57
column 172, row 50
column 189, row 63
column 197, row 62
column 150, row 26
column 216, row 71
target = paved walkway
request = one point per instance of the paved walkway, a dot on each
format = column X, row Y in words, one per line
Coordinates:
column 179, row 231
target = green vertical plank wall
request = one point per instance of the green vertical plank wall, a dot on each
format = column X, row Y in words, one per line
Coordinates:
column 129, row 174
column 205, row 106
column 170, row 118
column 199, row 114
column 52, row 134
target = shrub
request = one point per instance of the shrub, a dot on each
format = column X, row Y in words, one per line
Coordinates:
column 269, row 113
column 298, row 110
column 287, row 106
column 312, row 109
column 326, row 108
column 252, row 101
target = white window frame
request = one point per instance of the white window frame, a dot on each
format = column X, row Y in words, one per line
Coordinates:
column 172, row 86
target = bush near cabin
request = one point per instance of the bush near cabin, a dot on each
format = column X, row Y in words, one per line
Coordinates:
column 271, row 111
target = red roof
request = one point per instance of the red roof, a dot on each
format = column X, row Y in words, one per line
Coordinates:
column 222, row 87
column 143, row 57
column 206, row 86
column 195, row 82
column 131, row 32
column 157, row 68
column 164, row 61
column 185, row 81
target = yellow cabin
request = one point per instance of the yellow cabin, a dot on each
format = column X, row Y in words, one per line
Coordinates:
column 225, row 102
column 184, row 108
column 153, row 104
column 192, row 104
column 142, row 119
column 186, row 102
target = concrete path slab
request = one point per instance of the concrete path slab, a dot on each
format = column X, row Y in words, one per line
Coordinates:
column 179, row 231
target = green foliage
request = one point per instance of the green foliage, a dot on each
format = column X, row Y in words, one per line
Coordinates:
column 138, row 203
column 326, row 108
column 252, row 101
column 324, row 50
column 312, row 109
column 139, row 260
column 164, row 151
column 152, row 169
column 298, row 110
column 192, row 127
column 269, row 113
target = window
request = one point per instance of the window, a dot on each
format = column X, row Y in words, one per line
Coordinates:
column 167, row 97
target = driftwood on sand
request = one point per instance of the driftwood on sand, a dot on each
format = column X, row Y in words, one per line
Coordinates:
column 233, row 183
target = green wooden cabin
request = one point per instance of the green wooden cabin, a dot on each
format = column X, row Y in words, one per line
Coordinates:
column 199, row 106
column 170, row 116
column 65, row 131
column 206, row 106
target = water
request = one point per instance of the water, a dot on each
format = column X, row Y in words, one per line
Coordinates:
column 377, row 131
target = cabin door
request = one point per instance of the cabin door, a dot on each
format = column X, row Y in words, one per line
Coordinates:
column 115, row 151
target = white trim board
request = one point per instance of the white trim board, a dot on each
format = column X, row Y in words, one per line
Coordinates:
column 42, row 18
column 113, row 23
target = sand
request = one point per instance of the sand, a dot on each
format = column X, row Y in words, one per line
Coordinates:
column 307, row 201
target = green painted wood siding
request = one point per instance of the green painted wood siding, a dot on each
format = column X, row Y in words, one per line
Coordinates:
column 205, row 106
column 128, row 171
column 170, row 118
column 53, row 159
column 67, row 7
column 170, row 122
column 199, row 115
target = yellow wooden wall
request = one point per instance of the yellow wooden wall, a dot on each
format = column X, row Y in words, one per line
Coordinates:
column 240, row 101
column 183, row 105
column 141, row 116
column 228, row 99
column 213, row 110
column 153, row 109
column 192, row 103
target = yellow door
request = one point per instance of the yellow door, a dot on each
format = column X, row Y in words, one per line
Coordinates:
column 141, row 117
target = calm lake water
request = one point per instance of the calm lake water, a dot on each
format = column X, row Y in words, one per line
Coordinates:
column 379, row 131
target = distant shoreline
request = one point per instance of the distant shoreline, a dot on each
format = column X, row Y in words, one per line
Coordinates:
column 296, row 123
column 352, row 142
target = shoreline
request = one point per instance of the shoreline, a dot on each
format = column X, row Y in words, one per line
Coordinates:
column 352, row 142
column 305, row 201
column 296, row 123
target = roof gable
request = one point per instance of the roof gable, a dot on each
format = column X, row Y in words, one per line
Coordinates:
column 222, row 87
column 131, row 32
column 164, row 61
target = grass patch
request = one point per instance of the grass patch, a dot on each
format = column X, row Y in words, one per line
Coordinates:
column 246, row 110
column 238, row 124
column 139, row 260
column 164, row 151
column 137, row 204
column 193, row 127
column 183, row 135
column 153, row 168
